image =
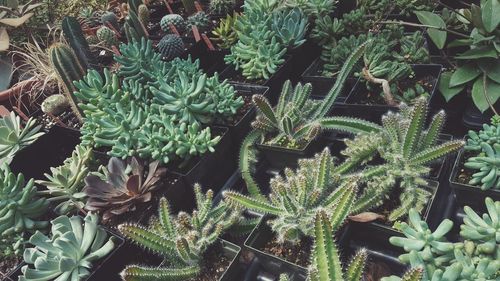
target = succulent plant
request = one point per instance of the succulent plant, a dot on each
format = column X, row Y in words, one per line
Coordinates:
column 313, row 8
column 174, row 19
column 490, row 134
column 143, row 14
column 290, row 27
column 225, row 35
column 181, row 240
column 488, row 164
column 294, row 200
column 333, row 58
column 14, row 137
column 107, row 36
column 19, row 205
column 221, row 7
column 55, row 104
column 121, row 186
column 407, row 7
column 407, row 148
column 65, row 183
column 199, row 19
column 474, row 258
column 171, row 46
column 68, row 252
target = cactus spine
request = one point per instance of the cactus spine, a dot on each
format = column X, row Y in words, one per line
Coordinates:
column 68, row 69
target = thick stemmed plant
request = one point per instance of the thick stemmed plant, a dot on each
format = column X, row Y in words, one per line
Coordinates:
column 181, row 240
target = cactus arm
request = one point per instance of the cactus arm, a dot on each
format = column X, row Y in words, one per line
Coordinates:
column 356, row 267
column 435, row 127
column 325, row 253
column 265, row 108
column 148, row 239
column 139, row 273
column 348, row 124
column 164, row 217
column 258, row 205
column 245, row 163
column 286, row 91
column 412, row 134
column 73, row 33
column 436, row 152
column 343, row 205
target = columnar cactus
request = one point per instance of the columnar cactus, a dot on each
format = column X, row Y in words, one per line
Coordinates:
column 143, row 14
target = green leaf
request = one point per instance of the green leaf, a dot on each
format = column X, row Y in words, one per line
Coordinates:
column 464, row 74
column 478, row 53
column 445, row 89
column 491, row 68
column 429, row 18
column 459, row 43
column 490, row 13
column 479, row 94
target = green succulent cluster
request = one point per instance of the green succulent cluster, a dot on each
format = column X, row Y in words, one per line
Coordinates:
column 133, row 111
column 64, row 184
column 333, row 58
column 181, row 240
column 476, row 257
column 14, row 136
column 20, row 206
column 407, row 7
column 68, row 252
column 224, row 34
column 221, row 7
column 174, row 19
column 313, row 8
column 199, row 19
column 485, row 161
column 295, row 199
column 407, row 148
column 264, row 34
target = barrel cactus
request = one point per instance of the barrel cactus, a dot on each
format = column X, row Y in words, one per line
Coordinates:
column 174, row 19
column 107, row 36
column 55, row 104
column 171, row 46
column 200, row 19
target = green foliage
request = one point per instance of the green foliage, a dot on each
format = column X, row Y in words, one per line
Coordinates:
column 476, row 257
column 313, row 8
column 11, row 246
column 407, row 7
column 171, row 46
column 69, row 250
column 135, row 26
column 68, row 68
column 290, row 26
column 407, row 148
column 107, row 36
column 110, row 18
column 12, row 16
column 181, row 240
column 221, row 7
column 333, row 58
column 200, row 19
column 294, row 200
column 14, row 136
column 174, row 19
column 122, row 185
column 224, row 35
column 73, row 33
column 73, row 7
column 19, row 204
column 65, row 183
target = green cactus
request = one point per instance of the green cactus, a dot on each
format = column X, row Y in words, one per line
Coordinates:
column 407, row 7
column 476, row 257
column 110, row 18
column 143, row 14
column 68, row 252
column 407, row 148
column 294, row 200
column 107, row 36
column 14, row 136
column 488, row 164
column 174, row 19
column 181, row 240
column 19, row 205
column 134, row 25
column 65, row 183
column 73, row 33
column 290, row 27
column 221, row 7
column 55, row 104
column 199, row 19
column 171, row 46
column 225, row 35
column 68, row 69
column 92, row 40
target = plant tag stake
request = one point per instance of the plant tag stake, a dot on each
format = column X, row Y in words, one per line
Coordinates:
column 173, row 29
column 196, row 33
column 208, row 42
column 198, row 7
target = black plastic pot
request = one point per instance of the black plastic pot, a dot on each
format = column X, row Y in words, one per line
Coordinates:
column 302, row 57
column 322, row 84
column 257, row 270
column 105, row 269
column 474, row 119
column 467, row 194
column 50, row 150
column 274, row 82
column 375, row 111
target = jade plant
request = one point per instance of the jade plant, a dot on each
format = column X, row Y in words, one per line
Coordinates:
column 485, row 159
column 14, row 136
column 294, row 199
column 121, row 186
column 68, row 251
column 21, row 209
column 407, row 148
column 475, row 257
column 181, row 240
column 65, row 183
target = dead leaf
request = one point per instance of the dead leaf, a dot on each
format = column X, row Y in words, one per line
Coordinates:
column 366, row 217
column 15, row 22
column 4, row 39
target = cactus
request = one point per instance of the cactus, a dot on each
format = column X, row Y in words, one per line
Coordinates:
column 14, row 137
column 174, row 19
column 294, row 200
column 55, row 104
column 19, row 205
column 110, row 18
column 65, row 183
column 200, row 19
column 136, row 26
column 475, row 258
column 68, row 252
column 225, row 35
column 68, row 69
column 171, row 46
column 181, row 240
column 221, row 7
column 290, row 27
column 143, row 13
column 74, row 36
column 107, row 36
